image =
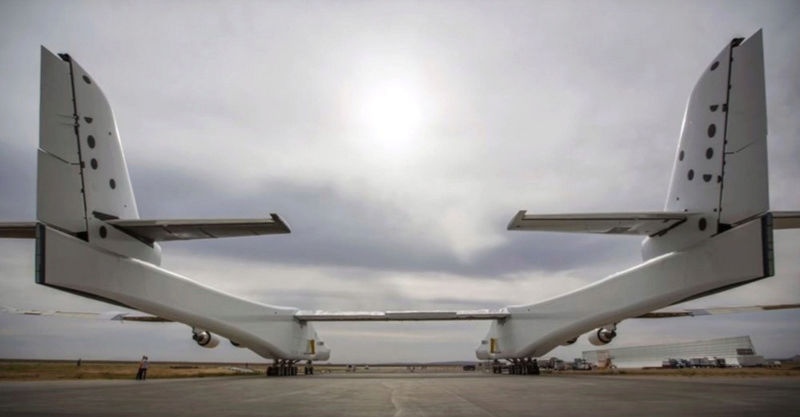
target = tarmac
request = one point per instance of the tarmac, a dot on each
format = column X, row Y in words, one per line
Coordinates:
column 354, row 395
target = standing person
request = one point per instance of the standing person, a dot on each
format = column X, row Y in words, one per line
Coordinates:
column 145, row 365
column 140, row 372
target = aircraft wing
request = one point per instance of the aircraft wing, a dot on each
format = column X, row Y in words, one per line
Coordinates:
column 693, row 312
column 110, row 315
column 399, row 315
column 645, row 223
column 405, row 315
column 166, row 230
column 19, row 230
column 786, row 219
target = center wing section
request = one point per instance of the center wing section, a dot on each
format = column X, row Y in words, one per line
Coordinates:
column 405, row 315
column 645, row 223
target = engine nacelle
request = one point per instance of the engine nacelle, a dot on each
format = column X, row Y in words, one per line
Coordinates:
column 205, row 339
column 603, row 335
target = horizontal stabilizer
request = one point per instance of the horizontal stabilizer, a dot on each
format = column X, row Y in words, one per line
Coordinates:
column 408, row 315
column 693, row 312
column 648, row 223
column 786, row 219
column 18, row 230
column 165, row 230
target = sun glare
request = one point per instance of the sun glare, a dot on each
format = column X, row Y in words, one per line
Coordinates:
column 390, row 117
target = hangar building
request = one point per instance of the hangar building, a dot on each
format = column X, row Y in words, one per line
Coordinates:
column 735, row 351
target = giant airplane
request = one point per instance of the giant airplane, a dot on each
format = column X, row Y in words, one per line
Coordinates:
column 714, row 234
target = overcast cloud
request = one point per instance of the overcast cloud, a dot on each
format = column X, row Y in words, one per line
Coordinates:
column 397, row 139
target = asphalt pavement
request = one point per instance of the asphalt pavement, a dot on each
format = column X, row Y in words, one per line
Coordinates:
column 354, row 395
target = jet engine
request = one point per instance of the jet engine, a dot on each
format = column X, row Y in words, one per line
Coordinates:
column 603, row 335
column 205, row 339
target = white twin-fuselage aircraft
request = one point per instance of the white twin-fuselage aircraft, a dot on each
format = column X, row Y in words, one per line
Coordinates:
column 715, row 232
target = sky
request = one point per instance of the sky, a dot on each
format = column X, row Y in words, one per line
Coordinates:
column 397, row 139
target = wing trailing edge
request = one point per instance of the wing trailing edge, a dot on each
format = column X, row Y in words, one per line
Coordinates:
column 18, row 230
column 644, row 223
column 694, row 312
column 786, row 219
column 407, row 315
column 169, row 230
column 109, row 315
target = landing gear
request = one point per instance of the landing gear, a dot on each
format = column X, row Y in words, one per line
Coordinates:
column 530, row 366
column 496, row 367
column 521, row 366
column 282, row 368
column 308, row 369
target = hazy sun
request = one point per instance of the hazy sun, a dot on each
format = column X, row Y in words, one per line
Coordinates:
column 390, row 116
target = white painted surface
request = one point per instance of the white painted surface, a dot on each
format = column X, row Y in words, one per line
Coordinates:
column 695, row 256
column 60, row 201
column 269, row 331
column 745, row 184
column 56, row 111
column 535, row 329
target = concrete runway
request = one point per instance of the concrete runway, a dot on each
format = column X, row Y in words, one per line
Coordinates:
column 408, row 395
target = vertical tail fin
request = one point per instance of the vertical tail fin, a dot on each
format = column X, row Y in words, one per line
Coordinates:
column 82, row 175
column 721, row 166
column 720, row 170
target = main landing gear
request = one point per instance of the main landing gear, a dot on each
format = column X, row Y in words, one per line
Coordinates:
column 283, row 367
column 521, row 366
